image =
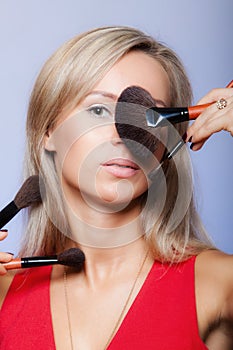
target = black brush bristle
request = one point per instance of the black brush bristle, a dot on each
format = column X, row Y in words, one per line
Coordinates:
column 73, row 257
column 137, row 95
column 29, row 193
column 131, row 124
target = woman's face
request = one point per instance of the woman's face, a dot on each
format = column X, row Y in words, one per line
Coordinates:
column 91, row 158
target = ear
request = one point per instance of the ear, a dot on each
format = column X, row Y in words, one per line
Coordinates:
column 48, row 142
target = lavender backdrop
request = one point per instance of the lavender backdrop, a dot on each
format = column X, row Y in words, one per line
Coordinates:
column 201, row 33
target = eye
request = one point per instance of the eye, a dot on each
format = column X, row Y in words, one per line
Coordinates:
column 100, row 111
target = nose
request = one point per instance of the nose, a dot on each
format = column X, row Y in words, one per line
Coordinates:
column 114, row 136
column 116, row 141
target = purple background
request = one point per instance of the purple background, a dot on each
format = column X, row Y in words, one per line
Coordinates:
column 199, row 31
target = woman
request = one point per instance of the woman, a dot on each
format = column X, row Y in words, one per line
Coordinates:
column 150, row 280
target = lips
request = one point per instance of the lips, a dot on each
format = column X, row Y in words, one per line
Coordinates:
column 121, row 167
column 125, row 163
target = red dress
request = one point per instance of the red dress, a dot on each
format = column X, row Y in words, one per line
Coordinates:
column 163, row 315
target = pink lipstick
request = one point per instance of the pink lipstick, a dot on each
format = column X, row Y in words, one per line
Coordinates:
column 121, row 167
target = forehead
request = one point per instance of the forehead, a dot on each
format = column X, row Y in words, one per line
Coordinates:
column 137, row 68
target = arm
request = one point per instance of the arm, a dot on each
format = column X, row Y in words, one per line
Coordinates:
column 220, row 339
column 214, row 270
column 214, row 296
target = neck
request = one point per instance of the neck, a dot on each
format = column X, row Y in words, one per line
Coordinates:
column 108, row 264
column 109, row 256
column 112, row 241
column 103, row 237
column 93, row 227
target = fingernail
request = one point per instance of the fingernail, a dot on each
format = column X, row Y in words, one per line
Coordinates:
column 190, row 139
column 184, row 137
column 10, row 253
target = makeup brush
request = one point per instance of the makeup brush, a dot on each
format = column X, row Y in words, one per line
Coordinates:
column 73, row 257
column 131, row 123
column 152, row 116
column 158, row 116
column 136, row 119
column 28, row 194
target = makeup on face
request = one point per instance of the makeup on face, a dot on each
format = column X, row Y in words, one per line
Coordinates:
column 90, row 155
column 121, row 168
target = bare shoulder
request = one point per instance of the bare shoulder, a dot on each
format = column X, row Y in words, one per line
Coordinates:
column 214, row 284
column 217, row 265
column 5, row 282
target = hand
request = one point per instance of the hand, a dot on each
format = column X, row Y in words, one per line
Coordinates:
column 4, row 257
column 212, row 119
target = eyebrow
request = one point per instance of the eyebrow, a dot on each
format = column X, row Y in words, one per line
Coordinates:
column 115, row 97
column 104, row 94
column 160, row 102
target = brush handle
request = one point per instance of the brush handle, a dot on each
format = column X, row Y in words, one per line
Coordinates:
column 195, row 111
column 7, row 213
column 230, row 85
column 34, row 261
column 13, row 264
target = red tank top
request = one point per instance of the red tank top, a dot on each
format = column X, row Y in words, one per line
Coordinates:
column 163, row 315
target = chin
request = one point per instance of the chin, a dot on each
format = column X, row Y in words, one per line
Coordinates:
column 120, row 196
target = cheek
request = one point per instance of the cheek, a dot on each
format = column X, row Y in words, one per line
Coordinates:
column 69, row 166
column 80, row 159
column 141, row 186
column 74, row 136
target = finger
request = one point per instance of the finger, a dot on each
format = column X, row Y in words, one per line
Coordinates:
column 3, row 271
column 216, row 94
column 197, row 146
column 4, row 258
column 211, row 127
column 201, row 122
column 223, row 116
column 202, row 135
column 203, row 131
column 3, row 234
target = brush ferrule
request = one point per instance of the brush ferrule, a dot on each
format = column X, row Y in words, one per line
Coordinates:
column 38, row 261
column 175, row 149
column 160, row 116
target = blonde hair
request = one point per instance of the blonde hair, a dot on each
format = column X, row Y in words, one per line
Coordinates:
column 69, row 74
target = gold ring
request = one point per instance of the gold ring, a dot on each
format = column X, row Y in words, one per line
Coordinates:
column 222, row 103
